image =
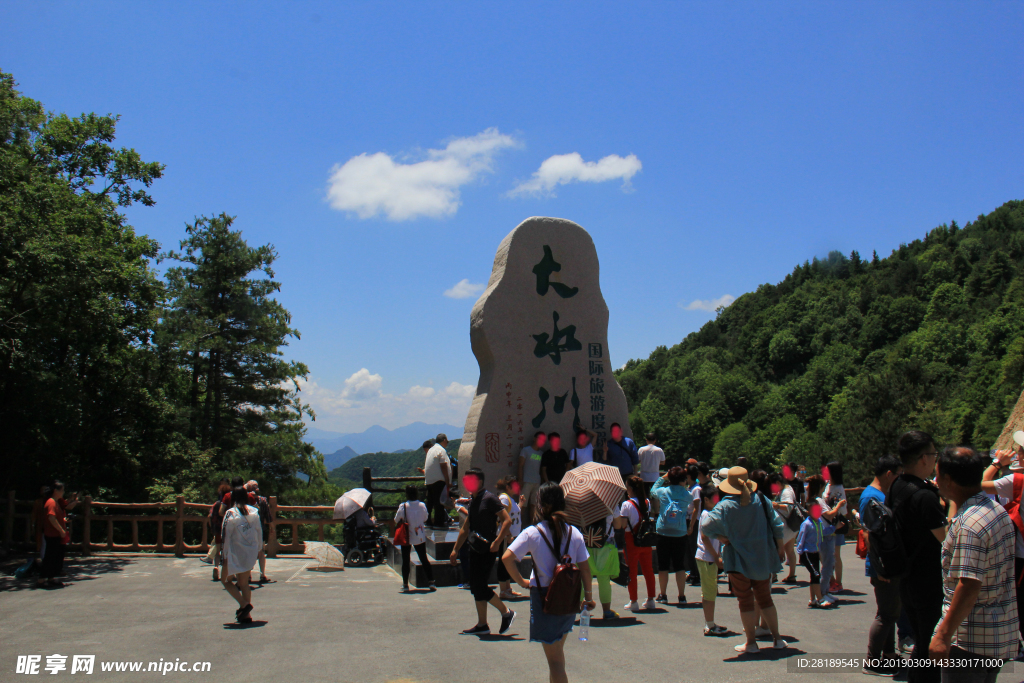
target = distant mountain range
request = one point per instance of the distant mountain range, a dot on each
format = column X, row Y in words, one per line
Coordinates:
column 376, row 439
column 401, row 464
column 339, row 458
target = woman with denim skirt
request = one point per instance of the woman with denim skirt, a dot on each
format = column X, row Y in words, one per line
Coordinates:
column 553, row 531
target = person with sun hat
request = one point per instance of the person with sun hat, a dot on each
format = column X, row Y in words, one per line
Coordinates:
column 752, row 550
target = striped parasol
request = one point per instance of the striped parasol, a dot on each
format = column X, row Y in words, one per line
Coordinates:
column 592, row 492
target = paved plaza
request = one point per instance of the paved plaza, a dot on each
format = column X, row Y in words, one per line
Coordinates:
column 356, row 626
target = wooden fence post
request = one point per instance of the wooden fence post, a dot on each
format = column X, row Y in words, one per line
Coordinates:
column 367, row 479
column 9, row 521
column 86, row 524
column 272, row 544
column 179, row 527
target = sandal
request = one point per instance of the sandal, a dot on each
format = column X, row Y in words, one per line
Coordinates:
column 264, row 579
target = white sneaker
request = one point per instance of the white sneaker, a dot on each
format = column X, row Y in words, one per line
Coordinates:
column 743, row 648
column 761, row 632
column 650, row 604
column 828, row 601
column 632, row 606
column 780, row 644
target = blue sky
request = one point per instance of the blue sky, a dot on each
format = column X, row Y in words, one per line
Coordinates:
column 737, row 139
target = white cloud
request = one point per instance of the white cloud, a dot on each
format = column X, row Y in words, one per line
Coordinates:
column 464, row 289
column 362, row 385
column 563, row 169
column 711, row 305
column 375, row 184
column 421, row 392
column 361, row 403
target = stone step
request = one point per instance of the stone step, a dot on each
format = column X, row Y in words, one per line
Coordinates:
column 445, row 573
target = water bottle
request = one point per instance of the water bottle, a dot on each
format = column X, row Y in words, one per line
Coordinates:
column 585, row 625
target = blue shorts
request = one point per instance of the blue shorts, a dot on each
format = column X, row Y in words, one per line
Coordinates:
column 546, row 628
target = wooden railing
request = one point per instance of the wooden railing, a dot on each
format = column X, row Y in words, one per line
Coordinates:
column 19, row 530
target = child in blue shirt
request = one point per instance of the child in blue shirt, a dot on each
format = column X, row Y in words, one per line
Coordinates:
column 809, row 540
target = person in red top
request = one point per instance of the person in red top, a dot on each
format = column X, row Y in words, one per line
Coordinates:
column 55, row 535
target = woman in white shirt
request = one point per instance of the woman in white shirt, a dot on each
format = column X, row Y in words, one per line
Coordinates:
column 415, row 513
column 634, row 510
column 834, row 495
column 553, row 531
column 784, row 503
column 507, row 489
column 242, row 536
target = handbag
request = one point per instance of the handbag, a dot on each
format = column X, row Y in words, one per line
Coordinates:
column 478, row 544
column 840, row 522
column 402, row 530
column 563, row 592
column 797, row 515
column 862, row 544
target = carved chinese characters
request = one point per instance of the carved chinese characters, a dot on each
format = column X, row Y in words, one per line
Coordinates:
column 540, row 335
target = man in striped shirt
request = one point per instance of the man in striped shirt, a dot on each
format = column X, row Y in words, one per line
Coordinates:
column 979, row 606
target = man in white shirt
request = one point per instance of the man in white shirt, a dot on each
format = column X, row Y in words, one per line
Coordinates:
column 1003, row 487
column 437, row 476
column 651, row 460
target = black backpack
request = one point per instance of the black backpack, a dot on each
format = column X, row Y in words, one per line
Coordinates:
column 645, row 535
column 886, row 552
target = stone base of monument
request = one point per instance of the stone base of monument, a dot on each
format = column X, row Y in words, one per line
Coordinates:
column 439, row 548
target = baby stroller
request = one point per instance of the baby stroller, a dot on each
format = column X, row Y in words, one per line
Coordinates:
column 363, row 545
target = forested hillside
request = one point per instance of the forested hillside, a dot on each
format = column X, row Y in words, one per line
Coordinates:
column 845, row 353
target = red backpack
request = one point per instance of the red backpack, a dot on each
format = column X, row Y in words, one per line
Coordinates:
column 565, row 590
column 1013, row 507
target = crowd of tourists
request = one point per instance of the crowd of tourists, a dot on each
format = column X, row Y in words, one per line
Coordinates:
column 940, row 533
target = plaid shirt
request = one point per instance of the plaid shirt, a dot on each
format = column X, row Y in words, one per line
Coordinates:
column 979, row 545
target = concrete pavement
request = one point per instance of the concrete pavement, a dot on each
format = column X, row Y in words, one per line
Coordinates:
column 355, row 626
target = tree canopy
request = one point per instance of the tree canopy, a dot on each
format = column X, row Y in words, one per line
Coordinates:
column 836, row 360
column 123, row 384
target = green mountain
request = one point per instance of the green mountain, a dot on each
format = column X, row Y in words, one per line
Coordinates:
column 835, row 361
column 400, row 464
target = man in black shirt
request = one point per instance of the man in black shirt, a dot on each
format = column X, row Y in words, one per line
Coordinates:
column 481, row 530
column 921, row 520
column 554, row 461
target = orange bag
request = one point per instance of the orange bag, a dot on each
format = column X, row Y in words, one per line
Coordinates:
column 862, row 544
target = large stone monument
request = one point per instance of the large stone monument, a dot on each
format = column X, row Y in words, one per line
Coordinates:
column 540, row 335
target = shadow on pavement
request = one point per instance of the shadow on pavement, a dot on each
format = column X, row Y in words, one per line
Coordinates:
column 235, row 626
column 494, row 637
column 788, row 639
column 843, row 601
column 765, row 655
column 76, row 570
column 615, row 623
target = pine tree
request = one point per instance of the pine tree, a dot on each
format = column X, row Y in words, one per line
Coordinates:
column 225, row 331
